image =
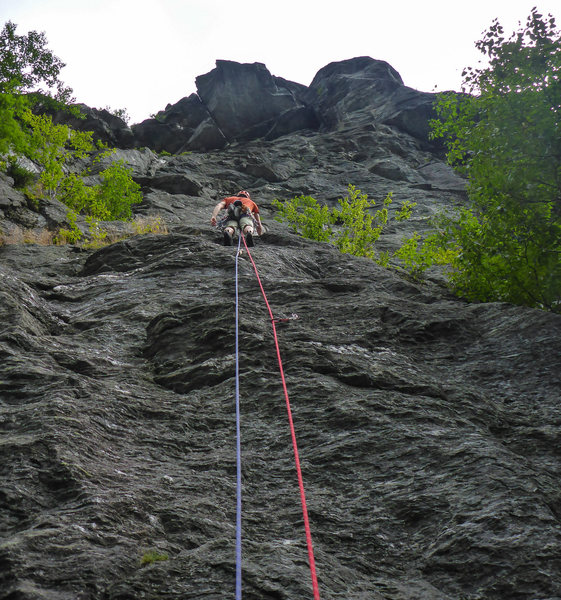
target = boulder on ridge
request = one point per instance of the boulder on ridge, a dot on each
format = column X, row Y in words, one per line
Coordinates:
column 185, row 125
column 370, row 90
column 246, row 101
column 106, row 127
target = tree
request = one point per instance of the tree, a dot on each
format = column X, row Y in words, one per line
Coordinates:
column 26, row 65
column 504, row 133
column 28, row 72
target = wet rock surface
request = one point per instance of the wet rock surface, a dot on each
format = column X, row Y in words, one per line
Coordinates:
column 428, row 427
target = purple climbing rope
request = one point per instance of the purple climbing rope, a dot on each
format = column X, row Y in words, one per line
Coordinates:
column 238, row 449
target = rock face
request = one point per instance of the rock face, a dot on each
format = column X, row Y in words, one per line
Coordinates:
column 186, row 125
column 246, row 102
column 240, row 102
column 107, row 127
column 429, row 428
column 342, row 88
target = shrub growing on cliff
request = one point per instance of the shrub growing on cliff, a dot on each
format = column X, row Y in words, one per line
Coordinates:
column 153, row 556
column 505, row 135
column 306, row 217
column 53, row 146
column 117, row 192
column 29, row 73
column 360, row 229
column 351, row 226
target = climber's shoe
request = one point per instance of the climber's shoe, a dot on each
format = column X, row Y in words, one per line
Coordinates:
column 227, row 238
column 249, row 240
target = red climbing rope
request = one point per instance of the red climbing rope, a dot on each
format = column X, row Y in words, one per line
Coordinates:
column 293, row 434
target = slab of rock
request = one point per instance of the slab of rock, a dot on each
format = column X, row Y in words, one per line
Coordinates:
column 142, row 162
column 442, row 177
column 428, row 428
column 10, row 198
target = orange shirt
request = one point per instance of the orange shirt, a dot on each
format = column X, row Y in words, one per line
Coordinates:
column 245, row 201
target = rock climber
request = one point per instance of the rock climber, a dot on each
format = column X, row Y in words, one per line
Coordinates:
column 242, row 213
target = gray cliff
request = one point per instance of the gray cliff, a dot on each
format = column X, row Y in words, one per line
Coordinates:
column 428, row 427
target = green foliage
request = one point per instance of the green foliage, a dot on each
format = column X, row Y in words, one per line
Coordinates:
column 29, row 73
column 73, row 192
column 117, row 193
column 22, row 177
column 13, row 139
column 71, row 235
column 351, row 226
column 97, row 234
column 405, row 210
column 306, row 217
column 153, row 556
column 26, row 65
column 52, row 146
column 111, row 200
column 360, row 228
column 417, row 254
column 505, row 135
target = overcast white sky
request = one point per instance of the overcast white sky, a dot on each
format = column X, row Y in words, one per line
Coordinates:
column 143, row 54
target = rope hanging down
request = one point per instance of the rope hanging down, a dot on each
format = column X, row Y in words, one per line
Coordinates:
column 292, row 432
column 238, row 450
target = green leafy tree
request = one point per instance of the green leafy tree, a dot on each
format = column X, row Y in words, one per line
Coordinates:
column 73, row 234
column 29, row 73
column 26, row 65
column 13, row 139
column 504, row 133
column 360, row 227
column 53, row 146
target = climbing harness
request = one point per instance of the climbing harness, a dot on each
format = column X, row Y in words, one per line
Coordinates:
column 274, row 322
column 221, row 225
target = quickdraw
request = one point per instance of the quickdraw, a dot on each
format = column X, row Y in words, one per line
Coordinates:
column 293, row 317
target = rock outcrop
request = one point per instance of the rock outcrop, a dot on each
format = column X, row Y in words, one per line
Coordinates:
column 105, row 126
column 187, row 125
column 246, row 102
column 240, row 102
column 429, row 428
